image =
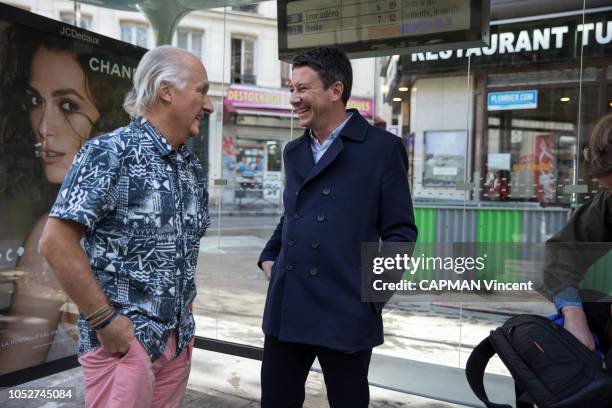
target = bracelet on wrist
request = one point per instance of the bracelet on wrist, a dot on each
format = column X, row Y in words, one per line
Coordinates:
column 101, row 311
column 106, row 321
column 101, row 318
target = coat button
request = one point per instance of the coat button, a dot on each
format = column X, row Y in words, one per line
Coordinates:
column 291, row 243
column 296, row 216
column 289, row 267
column 297, row 193
column 315, row 244
column 326, row 191
column 314, row 271
column 321, row 217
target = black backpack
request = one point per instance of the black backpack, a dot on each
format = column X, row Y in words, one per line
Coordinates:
column 550, row 367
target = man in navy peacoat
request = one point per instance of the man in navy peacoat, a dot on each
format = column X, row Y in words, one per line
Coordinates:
column 346, row 183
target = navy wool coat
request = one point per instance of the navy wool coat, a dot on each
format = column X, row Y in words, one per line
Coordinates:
column 357, row 192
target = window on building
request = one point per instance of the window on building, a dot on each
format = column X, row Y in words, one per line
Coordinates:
column 243, row 55
column 247, row 8
column 190, row 40
column 285, row 74
column 135, row 33
column 69, row 18
column 532, row 152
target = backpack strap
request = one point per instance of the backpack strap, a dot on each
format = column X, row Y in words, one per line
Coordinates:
column 475, row 368
column 520, row 398
column 606, row 340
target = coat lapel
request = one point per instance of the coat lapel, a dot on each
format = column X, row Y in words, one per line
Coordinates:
column 354, row 130
column 330, row 155
column 300, row 158
column 300, row 154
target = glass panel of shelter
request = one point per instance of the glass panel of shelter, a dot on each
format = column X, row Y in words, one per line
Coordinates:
column 493, row 136
column 247, row 201
column 540, row 89
column 245, row 172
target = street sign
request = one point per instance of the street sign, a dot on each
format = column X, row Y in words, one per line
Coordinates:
column 512, row 100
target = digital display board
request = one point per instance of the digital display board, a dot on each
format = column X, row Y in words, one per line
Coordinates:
column 372, row 28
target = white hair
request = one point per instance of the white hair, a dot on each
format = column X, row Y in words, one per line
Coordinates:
column 160, row 64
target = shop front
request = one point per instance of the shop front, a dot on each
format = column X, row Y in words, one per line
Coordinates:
column 506, row 122
column 257, row 126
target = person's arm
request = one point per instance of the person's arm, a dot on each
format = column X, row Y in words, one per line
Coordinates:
column 396, row 218
column 572, row 250
column 273, row 246
column 575, row 322
column 93, row 178
column 398, row 230
column 60, row 245
column 271, row 250
column 569, row 253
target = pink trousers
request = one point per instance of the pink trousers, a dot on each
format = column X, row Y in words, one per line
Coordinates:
column 133, row 380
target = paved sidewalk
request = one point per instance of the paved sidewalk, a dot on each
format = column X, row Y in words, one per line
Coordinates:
column 219, row 381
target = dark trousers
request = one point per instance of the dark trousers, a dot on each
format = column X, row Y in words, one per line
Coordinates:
column 285, row 367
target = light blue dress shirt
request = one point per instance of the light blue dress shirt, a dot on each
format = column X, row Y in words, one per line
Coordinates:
column 319, row 149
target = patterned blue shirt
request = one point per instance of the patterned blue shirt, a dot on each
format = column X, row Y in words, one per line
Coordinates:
column 319, row 149
column 145, row 207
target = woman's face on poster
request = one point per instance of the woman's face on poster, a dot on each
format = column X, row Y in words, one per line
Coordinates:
column 62, row 113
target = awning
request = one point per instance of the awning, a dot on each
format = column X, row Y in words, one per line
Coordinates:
column 280, row 113
column 230, row 110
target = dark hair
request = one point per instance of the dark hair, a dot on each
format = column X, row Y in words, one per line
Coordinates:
column 598, row 153
column 331, row 64
column 21, row 44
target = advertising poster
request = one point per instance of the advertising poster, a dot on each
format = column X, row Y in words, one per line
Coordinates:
column 249, row 165
column 272, row 185
column 444, row 158
column 544, row 169
column 59, row 87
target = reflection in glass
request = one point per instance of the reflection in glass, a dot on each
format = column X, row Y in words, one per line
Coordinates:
column 134, row 33
column 532, row 151
column 190, row 40
column 243, row 61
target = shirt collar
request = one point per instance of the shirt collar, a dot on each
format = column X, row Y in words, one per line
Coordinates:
column 334, row 134
column 159, row 141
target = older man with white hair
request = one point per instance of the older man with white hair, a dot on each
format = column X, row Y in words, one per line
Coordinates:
column 137, row 198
